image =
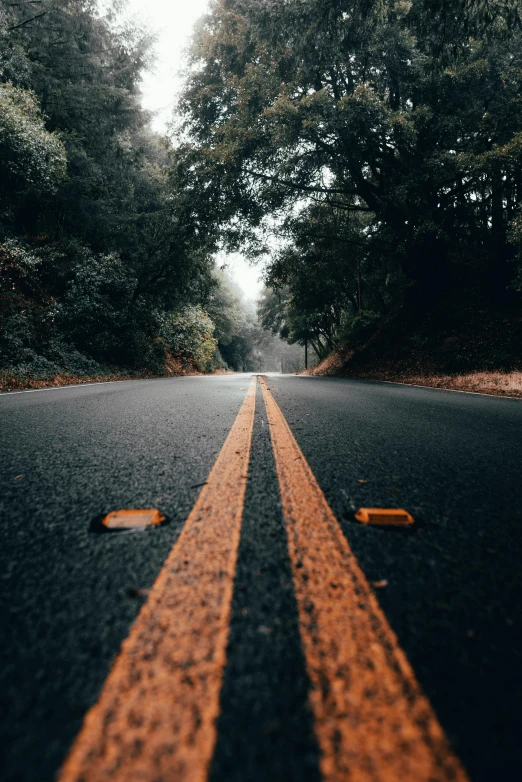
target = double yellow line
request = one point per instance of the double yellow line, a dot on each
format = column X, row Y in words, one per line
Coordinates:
column 156, row 715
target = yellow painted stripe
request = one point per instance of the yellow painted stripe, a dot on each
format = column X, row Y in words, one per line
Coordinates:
column 155, row 718
column 372, row 721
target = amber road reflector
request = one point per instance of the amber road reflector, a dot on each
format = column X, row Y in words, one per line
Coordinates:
column 132, row 519
column 389, row 517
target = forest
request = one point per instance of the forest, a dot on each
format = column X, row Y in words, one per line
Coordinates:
column 104, row 266
column 368, row 152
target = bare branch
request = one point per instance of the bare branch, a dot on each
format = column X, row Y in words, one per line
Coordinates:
column 26, row 21
column 286, row 183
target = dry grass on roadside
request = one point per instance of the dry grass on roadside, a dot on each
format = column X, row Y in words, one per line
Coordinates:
column 497, row 383
column 10, row 381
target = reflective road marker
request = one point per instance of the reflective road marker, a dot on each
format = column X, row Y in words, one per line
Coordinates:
column 155, row 718
column 387, row 517
column 372, row 721
column 132, row 519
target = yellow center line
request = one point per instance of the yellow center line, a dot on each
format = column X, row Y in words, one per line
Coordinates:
column 372, row 721
column 155, row 718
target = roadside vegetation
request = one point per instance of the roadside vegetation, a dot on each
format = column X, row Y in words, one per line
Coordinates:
column 493, row 383
column 371, row 151
column 105, row 269
column 368, row 151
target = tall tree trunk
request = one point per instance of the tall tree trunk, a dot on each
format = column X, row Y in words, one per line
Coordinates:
column 359, row 287
column 498, row 228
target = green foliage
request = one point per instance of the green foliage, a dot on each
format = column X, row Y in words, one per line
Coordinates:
column 371, row 148
column 189, row 335
column 238, row 333
column 360, row 327
column 31, row 343
column 244, row 345
column 62, row 302
column 225, row 306
column 22, row 304
column 515, row 238
column 94, row 258
column 279, row 314
column 96, row 308
column 31, row 158
column 378, row 140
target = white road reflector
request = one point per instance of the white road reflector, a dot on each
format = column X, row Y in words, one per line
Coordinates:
column 390, row 517
column 132, row 519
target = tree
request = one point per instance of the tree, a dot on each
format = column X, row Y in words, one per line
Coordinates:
column 32, row 160
column 89, row 194
column 403, row 112
column 189, row 335
column 279, row 314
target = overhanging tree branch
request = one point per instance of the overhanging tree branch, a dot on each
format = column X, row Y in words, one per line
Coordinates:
column 26, row 21
column 287, row 183
column 311, row 189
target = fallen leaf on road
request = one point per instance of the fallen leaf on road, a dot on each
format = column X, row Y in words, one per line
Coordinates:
column 380, row 584
column 361, row 481
column 17, row 477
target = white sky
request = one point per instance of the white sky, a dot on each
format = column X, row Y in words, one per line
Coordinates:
column 173, row 21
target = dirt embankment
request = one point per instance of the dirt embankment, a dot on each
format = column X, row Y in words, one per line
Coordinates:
column 473, row 350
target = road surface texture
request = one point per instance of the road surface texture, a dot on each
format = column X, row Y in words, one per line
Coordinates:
column 267, row 635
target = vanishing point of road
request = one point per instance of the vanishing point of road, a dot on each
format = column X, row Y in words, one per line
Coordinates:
column 262, row 632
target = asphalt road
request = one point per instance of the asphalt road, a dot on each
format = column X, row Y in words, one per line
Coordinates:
column 69, row 595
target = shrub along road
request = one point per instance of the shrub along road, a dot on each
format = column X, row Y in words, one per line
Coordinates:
column 278, row 637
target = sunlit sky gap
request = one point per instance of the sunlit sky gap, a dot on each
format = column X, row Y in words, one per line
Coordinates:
column 173, row 21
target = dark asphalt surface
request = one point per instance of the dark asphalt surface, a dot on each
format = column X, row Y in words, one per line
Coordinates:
column 69, row 596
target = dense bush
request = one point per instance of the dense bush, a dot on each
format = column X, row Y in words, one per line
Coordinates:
column 31, row 158
column 96, row 239
column 189, row 335
column 63, row 307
